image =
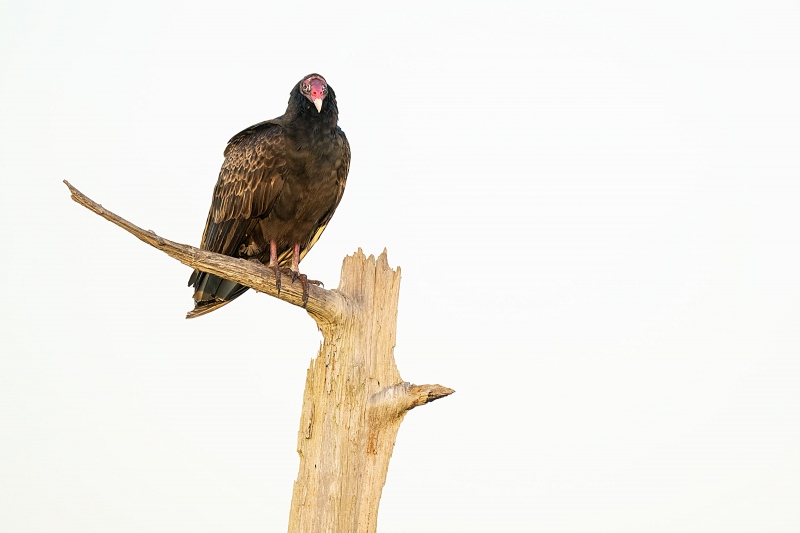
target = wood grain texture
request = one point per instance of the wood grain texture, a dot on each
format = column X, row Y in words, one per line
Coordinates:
column 354, row 403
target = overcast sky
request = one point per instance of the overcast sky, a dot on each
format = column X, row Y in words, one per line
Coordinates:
column 596, row 209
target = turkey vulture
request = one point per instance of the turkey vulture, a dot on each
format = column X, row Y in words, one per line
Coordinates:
column 277, row 190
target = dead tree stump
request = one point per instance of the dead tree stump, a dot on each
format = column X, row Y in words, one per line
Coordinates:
column 353, row 405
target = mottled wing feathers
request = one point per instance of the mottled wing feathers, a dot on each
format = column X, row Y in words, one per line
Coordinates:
column 249, row 181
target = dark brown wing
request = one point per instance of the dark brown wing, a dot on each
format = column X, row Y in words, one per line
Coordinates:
column 341, row 178
column 249, row 181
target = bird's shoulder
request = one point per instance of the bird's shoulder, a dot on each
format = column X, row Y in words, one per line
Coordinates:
column 342, row 140
column 252, row 174
column 266, row 135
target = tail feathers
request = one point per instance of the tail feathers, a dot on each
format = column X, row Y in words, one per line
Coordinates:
column 201, row 308
column 212, row 292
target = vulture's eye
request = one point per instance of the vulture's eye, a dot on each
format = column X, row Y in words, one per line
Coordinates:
column 306, row 88
column 325, row 90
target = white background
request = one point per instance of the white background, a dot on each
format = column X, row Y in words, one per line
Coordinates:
column 594, row 205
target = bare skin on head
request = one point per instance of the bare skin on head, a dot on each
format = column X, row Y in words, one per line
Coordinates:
column 315, row 88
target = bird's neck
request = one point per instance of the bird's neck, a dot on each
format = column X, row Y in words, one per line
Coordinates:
column 307, row 127
column 302, row 113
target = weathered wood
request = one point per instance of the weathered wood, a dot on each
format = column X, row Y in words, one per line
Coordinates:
column 355, row 398
column 354, row 402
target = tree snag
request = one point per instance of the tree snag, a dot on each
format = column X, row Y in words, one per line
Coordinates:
column 354, row 399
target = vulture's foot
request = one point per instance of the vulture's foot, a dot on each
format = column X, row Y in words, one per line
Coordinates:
column 304, row 282
column 277, row 271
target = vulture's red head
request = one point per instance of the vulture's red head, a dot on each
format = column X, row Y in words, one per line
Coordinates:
column 315, row 88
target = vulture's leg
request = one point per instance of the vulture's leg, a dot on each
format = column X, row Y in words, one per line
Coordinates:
column 273, row 263
column 296, row 272
column 295, row 268
column 295, row 261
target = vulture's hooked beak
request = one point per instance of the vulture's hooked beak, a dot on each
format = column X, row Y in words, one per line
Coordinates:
column 318, row 103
